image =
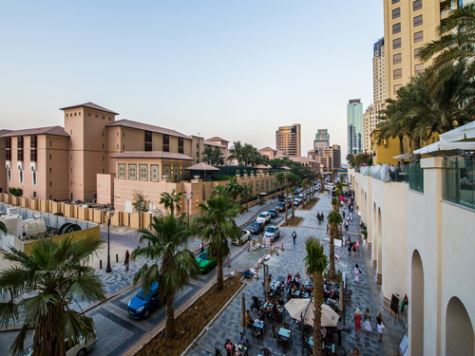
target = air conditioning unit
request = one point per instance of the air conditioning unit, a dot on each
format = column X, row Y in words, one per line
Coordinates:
column 19, row 165
column 8, row 164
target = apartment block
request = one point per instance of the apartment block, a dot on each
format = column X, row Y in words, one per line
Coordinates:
column 355, row 126
column 322, row 140
column 288, row 140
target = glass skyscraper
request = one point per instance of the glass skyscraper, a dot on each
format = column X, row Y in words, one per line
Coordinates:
column 355, row 126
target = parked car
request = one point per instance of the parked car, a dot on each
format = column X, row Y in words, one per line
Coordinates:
column 280, row 207
column 272, row 232
column 273, row 213
column 256, row 228
column 297, row 201
column 143, row 303
column 243, row 238
column 264, row 217
column 281, row 198
column 80, row 349
column 205, row 263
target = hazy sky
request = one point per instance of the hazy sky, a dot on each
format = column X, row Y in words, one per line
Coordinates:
column 232, row 68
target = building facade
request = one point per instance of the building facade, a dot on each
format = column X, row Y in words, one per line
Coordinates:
column 355, row 126
column 379, row 76
column 331, row 158
column 370, row 121
column 288, row 140
column 322, row 140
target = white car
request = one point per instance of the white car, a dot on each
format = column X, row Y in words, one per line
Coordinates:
column 263, row 217
column 243, row 238
column 272, row 232
column 80, row 349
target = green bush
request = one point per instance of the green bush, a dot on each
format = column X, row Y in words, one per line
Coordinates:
column 17, row 192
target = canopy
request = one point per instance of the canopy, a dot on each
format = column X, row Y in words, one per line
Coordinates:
column 261, row 166
column 286, row 168
column 298, row 308
column 446, row 146
column 464, row 132
column 202, row 167
column 404, row 157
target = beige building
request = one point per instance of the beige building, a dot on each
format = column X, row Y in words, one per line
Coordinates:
column 288, row 140
column 218, row 142
column 408, row 26
column 370, row 121
column 270, row 153
column 420, row 234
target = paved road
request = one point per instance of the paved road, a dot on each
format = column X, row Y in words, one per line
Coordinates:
column 116, row 331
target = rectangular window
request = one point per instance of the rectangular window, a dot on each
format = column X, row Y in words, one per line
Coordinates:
column 396, row 43
column 396, row 13
column 394, row 2
column 33, row 146
column 397, row 58
column 416, row 5
column 167, row 169
column 20, row 154
column 397, row 73
column 397, row 28
column 19, row 145
column 132, row 174
column 143, row 171
column 154, row 173
column 418, row 36
column 121, row 171
column 417, row 52
column 166, row 143
column 8, row 148
column 418, row 68
column 417, row 21
column 148, row 141
column 181, row 144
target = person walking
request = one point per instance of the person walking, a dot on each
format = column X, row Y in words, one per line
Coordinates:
column 380, row 328
column 357, row 272
column 356, row 351
column 294, row 236
column 127, row 260
column 357, row 319
column 367, row 321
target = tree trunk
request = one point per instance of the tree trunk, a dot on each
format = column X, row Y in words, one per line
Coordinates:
column 401, row 144
column 220, row 283
column 286, row 208
column 170, row 321
column 332, row 252
column 49, row 337
column 317, row 313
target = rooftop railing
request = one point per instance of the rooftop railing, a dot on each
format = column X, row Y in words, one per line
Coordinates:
column 459, row 180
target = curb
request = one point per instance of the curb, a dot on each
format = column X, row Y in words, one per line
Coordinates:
column 192, row 344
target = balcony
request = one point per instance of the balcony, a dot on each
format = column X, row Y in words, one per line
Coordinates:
column 459, row 180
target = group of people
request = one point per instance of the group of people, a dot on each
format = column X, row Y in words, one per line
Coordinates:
column 320, row 218
column 364, row 322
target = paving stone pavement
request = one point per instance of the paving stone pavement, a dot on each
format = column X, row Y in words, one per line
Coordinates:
column 290, row 260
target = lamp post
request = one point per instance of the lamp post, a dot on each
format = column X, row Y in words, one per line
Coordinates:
column 110, row 213
column 189, row 200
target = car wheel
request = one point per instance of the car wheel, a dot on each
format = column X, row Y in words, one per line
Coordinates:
column 82, row 352
column 146, row 314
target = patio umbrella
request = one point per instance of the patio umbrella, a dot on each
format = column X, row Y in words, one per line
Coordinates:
column 298, row 307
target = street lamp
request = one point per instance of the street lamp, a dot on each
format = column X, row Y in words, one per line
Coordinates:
column 189, row 200
column 110, row 213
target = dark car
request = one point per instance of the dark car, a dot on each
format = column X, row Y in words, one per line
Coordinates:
column 256, row 228
column 273, row 213
column 280, row 207
column 142, row 304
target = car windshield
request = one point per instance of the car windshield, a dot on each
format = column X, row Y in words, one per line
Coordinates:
column 263, row 215
column 271, row 229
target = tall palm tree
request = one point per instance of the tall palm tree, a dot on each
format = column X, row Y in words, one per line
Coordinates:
column 3, row 227
column 173, row 264
column 293, row 180
column 283, row 182
column 234, row 189
column 315, row 264
column 334, row 221
column 455, row 44
column 171, row 200
column 42, row 288
column 235, row 152
column 215, row 225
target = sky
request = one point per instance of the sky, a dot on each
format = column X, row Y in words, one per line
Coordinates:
column 237, row 69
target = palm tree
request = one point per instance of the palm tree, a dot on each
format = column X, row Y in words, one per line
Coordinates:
column 315, row 264
column 215, row 225
column 171, row 200
column 246, row 193
column 234, row 189
column 235, row 152
column 3, row 227
column 42, row 288
column 174, row 265
column 456, row 43
column 282, row 179
column 293, row 180
column 334, row 221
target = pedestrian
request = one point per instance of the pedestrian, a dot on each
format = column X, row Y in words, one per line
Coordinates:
column 339, row 328
column 367, row 321
column 356, row 351
column 357, row 319
column 380, row 328
column 127, row 260
column 294, row 236
column 343, row 214
column 350, row 245
column 357, row 246
column 357, row 272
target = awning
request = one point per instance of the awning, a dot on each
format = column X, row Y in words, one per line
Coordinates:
column 202, row 167
column 261, row 166
column 303, row 308
column 464, row 132
column 404, row 157
column 446, row 146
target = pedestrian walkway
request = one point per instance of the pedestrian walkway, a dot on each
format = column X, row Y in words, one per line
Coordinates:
column 366, row 294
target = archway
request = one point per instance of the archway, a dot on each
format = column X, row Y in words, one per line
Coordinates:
column 380, row 248
column 374, row 236
column 459, row 337
column 417, row 306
